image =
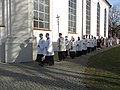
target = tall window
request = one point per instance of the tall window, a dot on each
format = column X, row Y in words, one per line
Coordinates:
column 88, row 16
column 105, row 19
column 72, row 16
column 41, row 13
column 98, row 19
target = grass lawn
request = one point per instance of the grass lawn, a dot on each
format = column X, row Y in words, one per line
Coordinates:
column 103, row 70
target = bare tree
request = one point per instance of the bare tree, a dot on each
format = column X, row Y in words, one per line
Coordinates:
column 114, row 19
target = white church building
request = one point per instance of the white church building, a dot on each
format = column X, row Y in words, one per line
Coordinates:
column 23, row 20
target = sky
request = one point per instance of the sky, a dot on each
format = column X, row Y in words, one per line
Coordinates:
column 112, row 2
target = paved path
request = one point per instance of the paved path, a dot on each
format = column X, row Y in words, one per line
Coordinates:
column 65, row 75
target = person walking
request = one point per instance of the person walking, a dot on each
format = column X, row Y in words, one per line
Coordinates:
column 95, row 43
column 49, row 52
column 67, row 45
column 78, row 47
column 40, row 52
column 84, row 45
column 61, row 47
column 99, row 42
column 88, row 44
column 92, row 43
column 72, row 48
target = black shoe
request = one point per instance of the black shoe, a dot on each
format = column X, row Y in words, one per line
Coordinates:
column 51, row 64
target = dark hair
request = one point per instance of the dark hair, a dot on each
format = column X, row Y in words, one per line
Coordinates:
column 66, row 36
column 47, row 34
column 41, row 34
column 60, row 33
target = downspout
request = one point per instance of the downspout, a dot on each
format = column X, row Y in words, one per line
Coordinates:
column 10, row 17
column 7, row 24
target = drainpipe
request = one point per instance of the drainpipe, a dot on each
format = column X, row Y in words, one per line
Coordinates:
column 10, row 17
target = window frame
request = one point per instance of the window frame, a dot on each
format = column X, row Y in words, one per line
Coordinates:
column 88, row 17
column 98, row 19
column 72, row 9
column 38, row 2
column 105, row 22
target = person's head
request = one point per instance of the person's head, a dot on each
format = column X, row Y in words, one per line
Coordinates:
column 41, row 35
column 78, row 38
column 92, row 36
column 83, row 37
column 66, row 37
column 60, row 34
column 72, row 38
column 89, row 36
column 47, row 35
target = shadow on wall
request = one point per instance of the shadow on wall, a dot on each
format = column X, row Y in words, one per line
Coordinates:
column 2, row 52
column 25, row 54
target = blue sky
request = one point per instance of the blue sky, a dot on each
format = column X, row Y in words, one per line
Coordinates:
column 112, row 2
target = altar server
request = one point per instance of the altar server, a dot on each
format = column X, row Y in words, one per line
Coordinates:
column 72, row 48
column 49, row 52
column 67, row 45
column 61, row 47
column 78, row 47
column 84, row 45
column 40, row 52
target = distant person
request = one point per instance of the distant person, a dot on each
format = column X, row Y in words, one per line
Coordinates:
column 72, row 48
column 61, row 47
column 95, row 43
column 78, row 47
column 89, row 44
column 84, row 45
column 98, row 42
column 67, row 45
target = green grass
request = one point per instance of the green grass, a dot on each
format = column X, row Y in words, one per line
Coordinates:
column 103, row 70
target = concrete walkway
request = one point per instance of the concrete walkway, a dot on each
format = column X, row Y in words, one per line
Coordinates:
column 65, row 75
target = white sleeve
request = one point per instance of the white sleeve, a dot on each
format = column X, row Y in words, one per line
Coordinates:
column 42, row 44
column 50, row 48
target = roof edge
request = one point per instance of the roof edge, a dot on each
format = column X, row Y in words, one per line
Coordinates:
column 108, row 3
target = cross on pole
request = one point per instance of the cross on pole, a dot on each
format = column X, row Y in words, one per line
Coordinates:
column 58, row 22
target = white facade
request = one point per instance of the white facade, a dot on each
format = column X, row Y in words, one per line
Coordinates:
column 17, row 17
column 57, row 7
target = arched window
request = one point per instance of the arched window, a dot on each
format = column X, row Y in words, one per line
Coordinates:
column 105, row 20
column 98, row 19
column 88, row 16
column 72, row 16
